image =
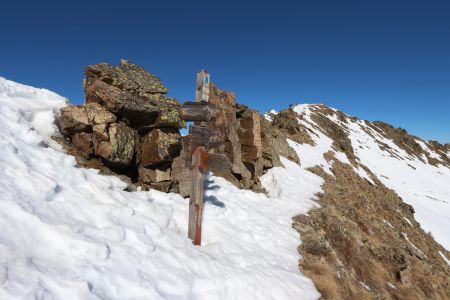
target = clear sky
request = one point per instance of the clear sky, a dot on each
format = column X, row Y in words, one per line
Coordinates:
column 378, row 60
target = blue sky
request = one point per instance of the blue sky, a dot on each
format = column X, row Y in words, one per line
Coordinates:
column 378, row 60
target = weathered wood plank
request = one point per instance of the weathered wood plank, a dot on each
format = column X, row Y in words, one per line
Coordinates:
column 200, row 132
column 198, row 111
column 196, row 197
column 203, row 136
column 217, row 163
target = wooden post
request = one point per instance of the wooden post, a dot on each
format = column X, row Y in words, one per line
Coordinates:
column 196, row 197
column 198, row 168
column 200, row 139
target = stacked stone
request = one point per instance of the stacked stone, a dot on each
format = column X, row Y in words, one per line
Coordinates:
column 130, row 128
column 127, row 122
column 252, row 143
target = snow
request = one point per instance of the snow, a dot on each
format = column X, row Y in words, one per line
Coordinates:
column 412, row 245
column 268, row 116
column 389, row 224
column 311, row 156
column 431, row 153
column 70, row 233
column 426, row 187
column 444, row 258
column 391, row 285
column 408, row 221
column 365, row 286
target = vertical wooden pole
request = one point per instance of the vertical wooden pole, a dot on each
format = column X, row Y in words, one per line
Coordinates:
column 196, row 197
column 198, row 168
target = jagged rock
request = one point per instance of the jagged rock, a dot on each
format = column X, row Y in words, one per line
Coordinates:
column 274, row 144
column 155, row 110
column 136, row 111
column 127, row 77
column 99, row 134
column 225, row 125
column 287, row 121
column 119, row 149
column 83, row 143
column 73, row 119
column 181, row 173
column 98, row 115
column 159, row 146
column 249, row 132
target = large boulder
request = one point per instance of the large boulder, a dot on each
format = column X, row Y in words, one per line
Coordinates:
column 98, row 114
column 119, row 149
column 159, row 146
column 134, row 110
column 82, row 142
column 127, row 77
column 133, row 93
column 73, row 119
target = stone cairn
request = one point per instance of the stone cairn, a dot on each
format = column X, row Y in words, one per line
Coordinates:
column 129, row 127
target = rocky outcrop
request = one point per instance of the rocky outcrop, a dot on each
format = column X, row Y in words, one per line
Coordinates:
column 128, row 126
column 252, row 143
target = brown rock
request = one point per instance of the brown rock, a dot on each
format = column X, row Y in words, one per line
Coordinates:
column 154, row 110
column 83, row 143
column 159, row 146
column 127, row 77
column 99, row 134
column 164, row 186
column 135, row 110
column 274, row 144
column 181, row 173
column 119, row 150
column 98, row 114
column 104, row 149
column 153, row 175
column 249, row 132
column 225, row 125
column 73, row 119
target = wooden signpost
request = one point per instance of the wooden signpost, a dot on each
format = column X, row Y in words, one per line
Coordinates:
column 201, row 138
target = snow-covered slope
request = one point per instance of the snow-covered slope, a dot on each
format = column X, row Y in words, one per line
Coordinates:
column 70, row 233
column 421, row 184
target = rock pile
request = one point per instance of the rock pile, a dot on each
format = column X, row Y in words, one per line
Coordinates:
column 127, row 123
column 128, row 126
